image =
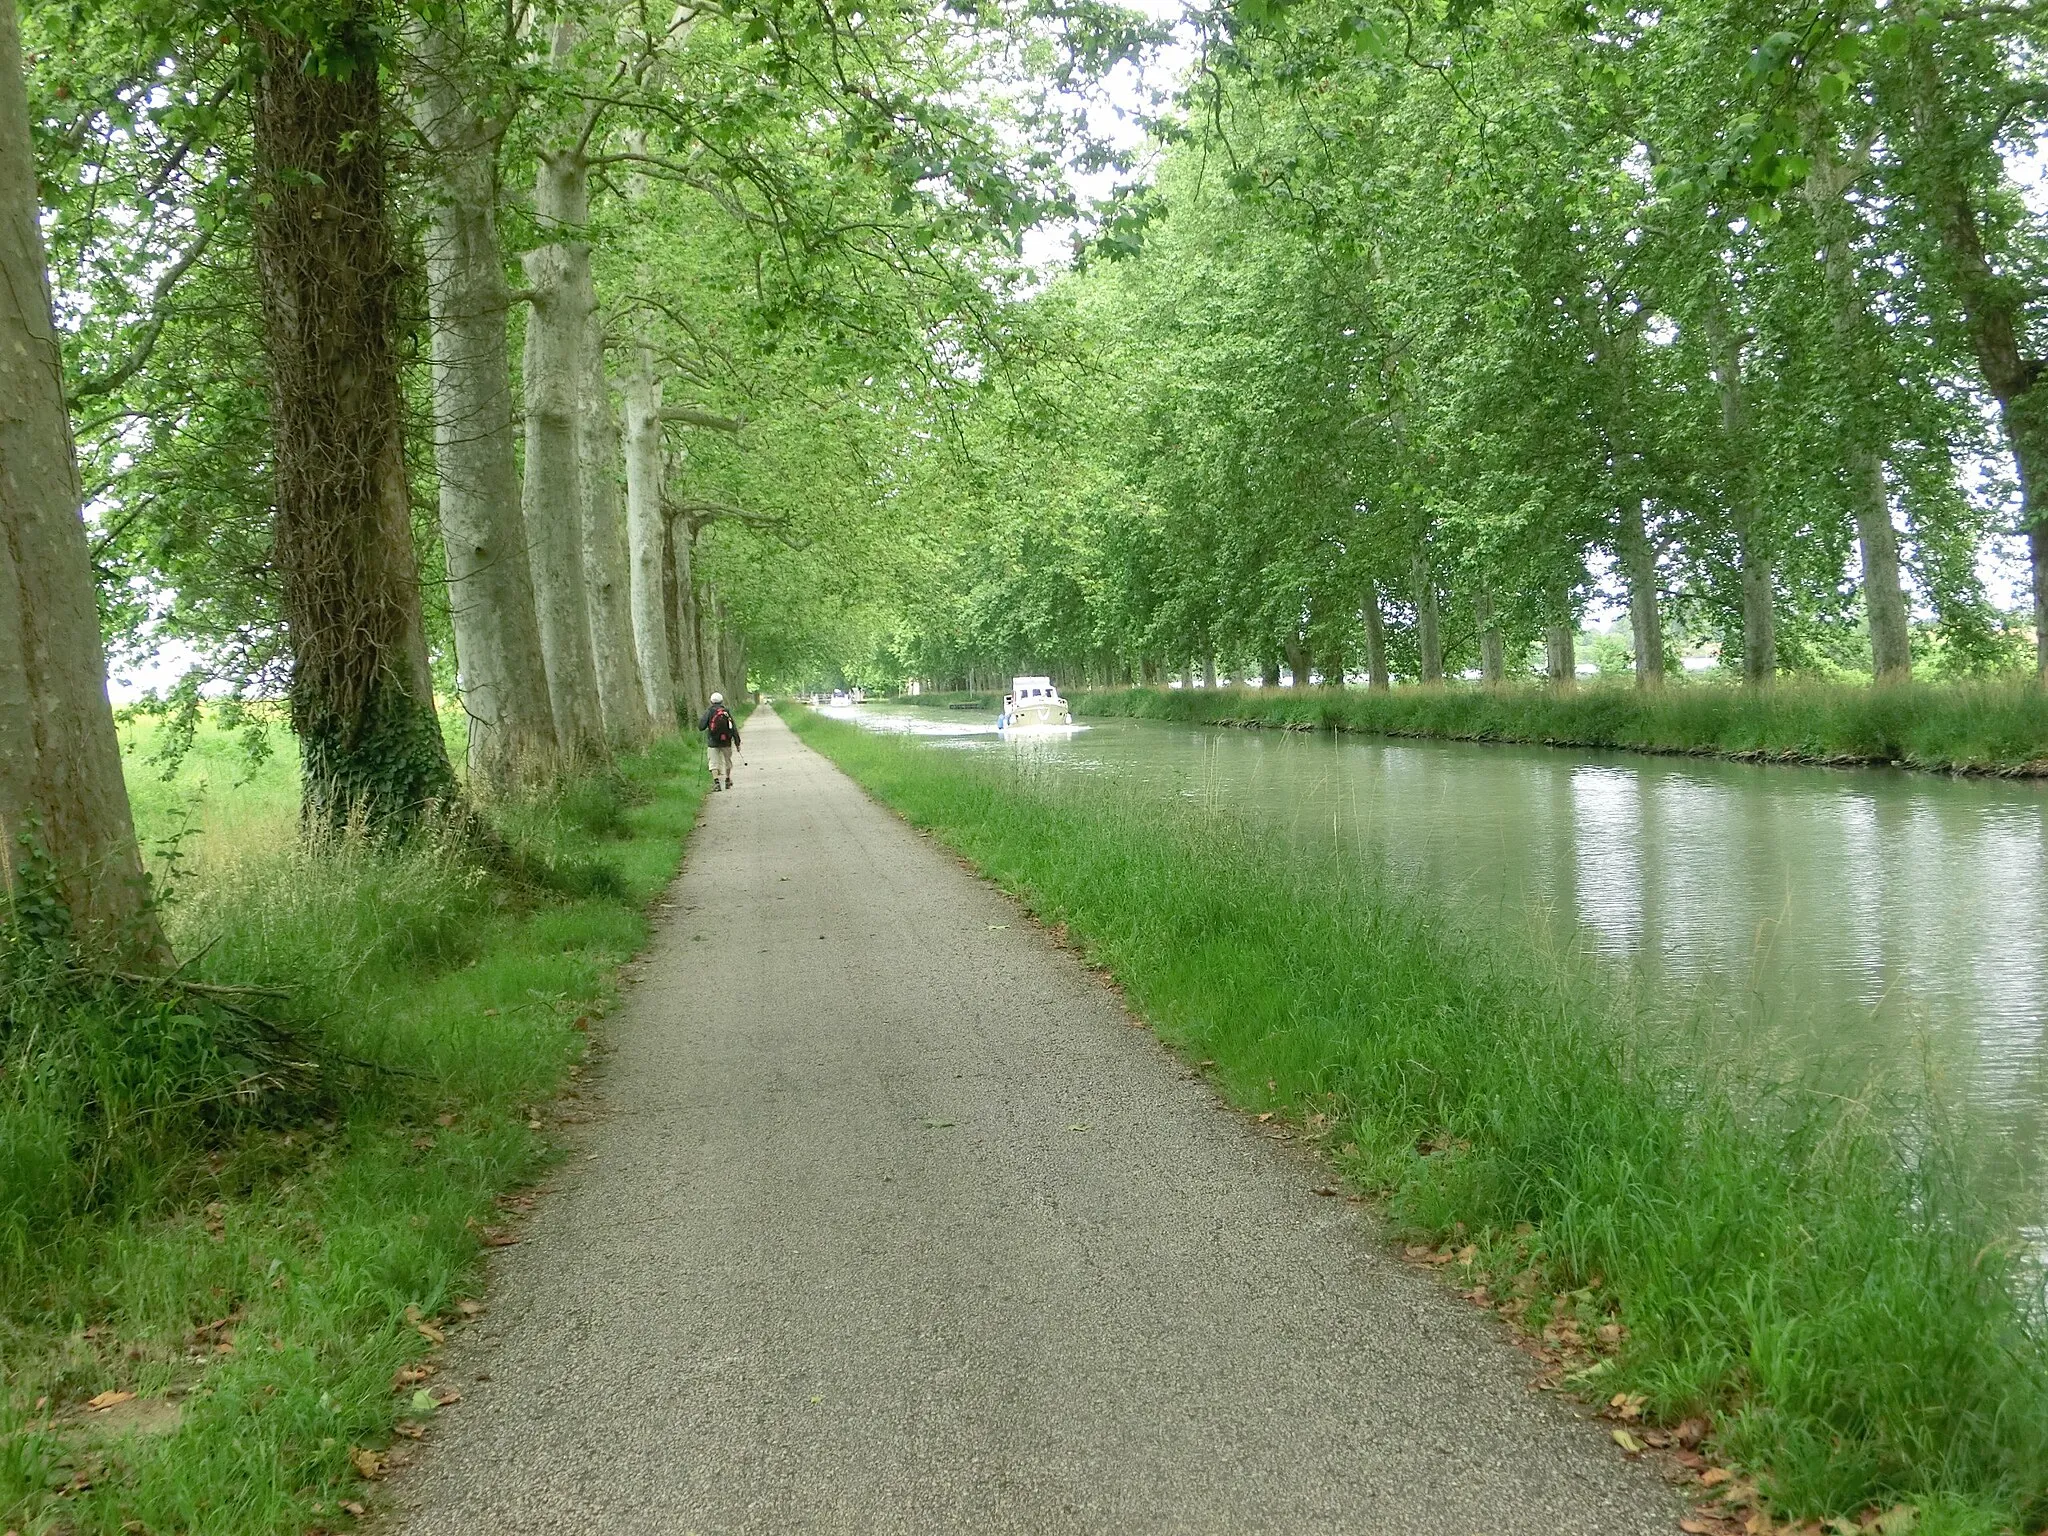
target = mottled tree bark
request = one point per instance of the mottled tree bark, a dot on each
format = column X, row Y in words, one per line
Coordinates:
column 1428, row 628
column 647, row 541
column 1294, row 649
column 1759, row 617
column 1884, row 599
column 1375, row 623
column 500, row 669
column 1639, row 569
column 692, row 688
column 1560, row 663
column 68, row 857
column 557, row 333
column 1493, row 653
column 607, row 580
column 362, row 701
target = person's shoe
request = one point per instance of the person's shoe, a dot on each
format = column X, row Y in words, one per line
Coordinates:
column 716, row 786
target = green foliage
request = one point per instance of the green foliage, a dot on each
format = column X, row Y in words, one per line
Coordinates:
column 1817, row 1276
column 1969, row 728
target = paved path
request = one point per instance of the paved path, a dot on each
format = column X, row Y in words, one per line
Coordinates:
column 915, row 1232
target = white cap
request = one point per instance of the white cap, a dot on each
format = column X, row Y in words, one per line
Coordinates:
column 718, row 698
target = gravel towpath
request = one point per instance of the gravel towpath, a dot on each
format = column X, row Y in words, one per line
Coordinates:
column 891, row 1221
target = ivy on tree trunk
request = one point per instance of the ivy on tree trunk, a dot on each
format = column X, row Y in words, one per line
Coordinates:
column 362, row 700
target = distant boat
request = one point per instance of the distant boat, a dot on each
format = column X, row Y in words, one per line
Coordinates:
column 1033, row 704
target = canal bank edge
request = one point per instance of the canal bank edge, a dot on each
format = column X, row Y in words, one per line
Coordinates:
column 1983, row 730
column 1704, row 1269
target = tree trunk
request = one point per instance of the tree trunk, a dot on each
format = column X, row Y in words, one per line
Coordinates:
column 1428, row 630
column 1493, row 651
column 1884, row 601
column 1639, row 569
column 557, row 331
column 1295, row 649
column 693, row 693
column 709, row 635
column 734, row 650
column 68, row 858
column 1209, row 670
column 647, row 540
column 1375, row 640
column 1994, row 310
column 1269, row 672
column 362, row 701
column 500, row 671
column 2037, row 550
column 1560, row 661
column 607, row 582
column 1759, row 619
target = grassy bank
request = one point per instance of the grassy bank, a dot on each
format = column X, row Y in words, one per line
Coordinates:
column 1814, row 1278
column 1955, row 727
column 257, row 1211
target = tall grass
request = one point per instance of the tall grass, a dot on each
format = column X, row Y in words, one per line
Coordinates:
column 176, row 1224
column 1820, row 1277
column 1958, row 727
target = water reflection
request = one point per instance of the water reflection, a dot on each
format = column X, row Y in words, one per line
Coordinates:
column 1887, row 927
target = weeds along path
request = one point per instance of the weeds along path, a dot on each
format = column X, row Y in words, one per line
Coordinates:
column 894, row 1222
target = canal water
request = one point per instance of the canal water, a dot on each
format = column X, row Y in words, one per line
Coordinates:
column 1882, row 928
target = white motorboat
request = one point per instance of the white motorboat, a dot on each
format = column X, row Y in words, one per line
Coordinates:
column 1033, row 704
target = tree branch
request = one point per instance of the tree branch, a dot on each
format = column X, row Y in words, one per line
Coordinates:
column 139, row 355
column 690, row 416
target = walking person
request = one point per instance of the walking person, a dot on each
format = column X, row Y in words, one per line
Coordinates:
column 722, row 740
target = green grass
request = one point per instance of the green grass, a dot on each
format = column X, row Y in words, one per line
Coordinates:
column 1821, row 1278
column 151, row 1184
column 1956, row 727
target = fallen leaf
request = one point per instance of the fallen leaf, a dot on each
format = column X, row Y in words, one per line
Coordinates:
column 1265, row 1117
column 430, row 1333
column 1713, row 1477
column 1077, row 1127
column 407, row 1375
column 443, row 1396
column 423, row 1402
column 1467, row 1254
column 1759, row 1524
column 1327, row 1190
column 351, row 1507
column 108, row 1399
column 368, row 1463
column 444, row 1121
column 1628, row 1442
column 409, row 1429
column 1899, row 1518
column 498, row 1237
column 469, row 1308
column 1695, row 1527
column 1690, row 1432
column 938, row 1125
column 422, row 1143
